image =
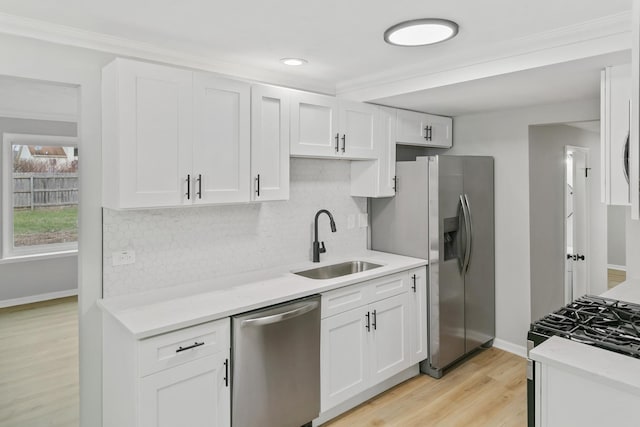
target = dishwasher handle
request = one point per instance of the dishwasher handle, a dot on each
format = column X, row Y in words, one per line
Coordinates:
column 279, row 317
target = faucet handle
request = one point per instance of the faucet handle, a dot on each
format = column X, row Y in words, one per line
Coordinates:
column 322, row 249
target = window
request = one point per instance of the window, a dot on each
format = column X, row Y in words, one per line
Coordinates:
column 40, row 194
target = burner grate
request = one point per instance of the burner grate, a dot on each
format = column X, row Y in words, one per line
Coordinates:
column 598, row 321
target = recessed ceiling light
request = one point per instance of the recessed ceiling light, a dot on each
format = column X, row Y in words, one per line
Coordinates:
column 294, row 62
column 420, row 32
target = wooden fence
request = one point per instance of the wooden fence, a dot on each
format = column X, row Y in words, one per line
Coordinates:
column 31, row 190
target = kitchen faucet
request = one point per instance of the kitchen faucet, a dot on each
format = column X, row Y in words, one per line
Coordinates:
column 317, row 249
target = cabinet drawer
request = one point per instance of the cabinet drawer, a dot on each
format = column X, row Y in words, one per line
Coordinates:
column 389, row 286
column 345, row 299
column 174, row 348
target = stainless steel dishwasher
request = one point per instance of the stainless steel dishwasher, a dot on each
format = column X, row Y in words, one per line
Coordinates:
column 276, row 365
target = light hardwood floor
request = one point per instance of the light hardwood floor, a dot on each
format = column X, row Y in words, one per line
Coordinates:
column 39, row 364
column 616, row 277
column 39, row 381
column 488, row 389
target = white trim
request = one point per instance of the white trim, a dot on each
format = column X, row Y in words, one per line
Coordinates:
column 37, row 298
column 39, row 256
column 617, row 267
column 518, row 350
column 57, row 117
column 8, row 250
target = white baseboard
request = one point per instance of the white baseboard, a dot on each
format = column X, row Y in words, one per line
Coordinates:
column 617, row 267
column 37, row 298
column 518, row 350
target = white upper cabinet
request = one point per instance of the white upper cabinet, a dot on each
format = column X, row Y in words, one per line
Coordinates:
column 359, row 128
column 634, row 141
column 221, row 148
column 314, row 125
column 147, row 134
column 615, row 124
column 424, row 129
column 376, row 178
column 323, row 126
column 270, row 143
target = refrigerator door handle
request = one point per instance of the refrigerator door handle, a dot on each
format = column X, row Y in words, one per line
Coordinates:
column 467, row 232
column 469, row 229
column 462, row 260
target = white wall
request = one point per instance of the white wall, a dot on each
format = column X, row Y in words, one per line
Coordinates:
column 32, row 278
column 616, row 236
column 505, row 136
column 182, row 245
column 546, row 212
column 44, row 61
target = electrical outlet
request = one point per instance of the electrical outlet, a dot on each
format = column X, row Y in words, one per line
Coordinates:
column 123, row 257
column 351, row 221
column 363, row 220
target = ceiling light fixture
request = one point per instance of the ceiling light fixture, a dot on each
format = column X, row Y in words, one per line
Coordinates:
column 421, row 32
column 294, row 62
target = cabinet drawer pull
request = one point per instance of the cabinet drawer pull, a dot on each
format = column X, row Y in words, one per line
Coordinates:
column 415, row 278
column 428, row 132
column 194, row 345
column 374, row 323
column 188, row 187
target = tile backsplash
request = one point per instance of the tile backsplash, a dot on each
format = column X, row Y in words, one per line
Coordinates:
column 184, row 245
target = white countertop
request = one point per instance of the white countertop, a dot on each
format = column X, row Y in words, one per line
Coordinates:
column 154, row 312
column 603, row 365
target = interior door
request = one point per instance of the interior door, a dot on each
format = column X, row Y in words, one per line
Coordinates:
column 221, row 150
column 576, row 223
column 479, row 278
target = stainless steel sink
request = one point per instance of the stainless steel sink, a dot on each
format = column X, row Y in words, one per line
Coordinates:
column 337, row 270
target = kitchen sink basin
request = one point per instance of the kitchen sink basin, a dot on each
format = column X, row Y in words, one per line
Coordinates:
column 337, row 270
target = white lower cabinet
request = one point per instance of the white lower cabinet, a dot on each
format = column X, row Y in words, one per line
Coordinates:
column 368, row 334
column 192, row 394
column 173, row 379
column 418, row 298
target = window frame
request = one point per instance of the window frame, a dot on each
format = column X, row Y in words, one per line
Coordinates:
column 8, row 249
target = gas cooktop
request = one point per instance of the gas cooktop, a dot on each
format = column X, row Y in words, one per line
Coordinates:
column 601, row 322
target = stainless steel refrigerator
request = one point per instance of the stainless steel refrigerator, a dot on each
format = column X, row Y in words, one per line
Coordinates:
column 443, row 211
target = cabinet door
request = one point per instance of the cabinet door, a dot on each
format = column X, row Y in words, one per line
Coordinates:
column 194, row 394
column 344, row 364
column 418, row 296
column 391, row 352
column 439, row 132
column 376, row 178
column 221, row 152
column 424, row 129
column 359, row 129
column 314, row 125
column 270, row 143
column 154, row 133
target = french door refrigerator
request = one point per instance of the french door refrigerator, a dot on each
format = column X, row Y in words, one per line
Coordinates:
column 443, row 211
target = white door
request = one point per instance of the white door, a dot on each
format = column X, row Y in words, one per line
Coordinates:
column 314, row 125
column 439, row 131
column 154, row 133
column 391, row 352
column 359, row 129
column 344, row 361
column 194, row 394
column 576, row 223
column 418, row 296
column 269, row 143
column 221, row 150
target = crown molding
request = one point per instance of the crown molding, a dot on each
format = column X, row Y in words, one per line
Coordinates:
column 591, row 38
column 65, row 35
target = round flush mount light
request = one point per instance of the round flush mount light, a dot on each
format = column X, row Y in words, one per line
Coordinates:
column 294, row 62
column 421, row 32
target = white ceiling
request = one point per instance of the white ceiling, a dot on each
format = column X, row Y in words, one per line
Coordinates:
column 341, row 39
